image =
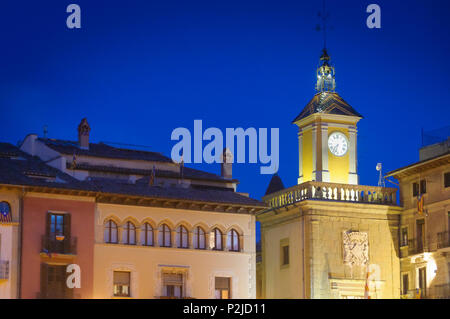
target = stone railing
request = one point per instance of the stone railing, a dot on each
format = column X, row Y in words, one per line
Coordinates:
column 332, row 192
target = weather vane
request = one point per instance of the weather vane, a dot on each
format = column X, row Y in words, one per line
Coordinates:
column 323, row 16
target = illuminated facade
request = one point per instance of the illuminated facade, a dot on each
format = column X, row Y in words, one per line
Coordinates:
column 424, row 229
column 138, row 224
column 324, row 236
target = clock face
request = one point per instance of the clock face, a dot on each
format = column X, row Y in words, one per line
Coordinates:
column 338, row 144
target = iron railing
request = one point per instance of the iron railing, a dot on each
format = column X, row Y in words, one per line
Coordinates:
column 443, row 239
column 59, row 244
column 4, row 269
column 434, row 292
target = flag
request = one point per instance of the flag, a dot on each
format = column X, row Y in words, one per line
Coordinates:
column 74, row 160
column 366, row 287
column 152, row 177
column 5, row 213
column 420, row 200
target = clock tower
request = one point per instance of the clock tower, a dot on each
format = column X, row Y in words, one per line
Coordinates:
column 327, row 136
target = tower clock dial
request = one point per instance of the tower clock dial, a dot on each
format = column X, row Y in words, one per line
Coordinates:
column 338, row 144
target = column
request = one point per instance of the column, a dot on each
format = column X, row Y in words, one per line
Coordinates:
column 300, row 156
column 323, row 174
column 352, row 152
column 314, row 151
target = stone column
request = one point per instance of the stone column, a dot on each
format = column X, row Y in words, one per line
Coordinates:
column 300, row 156
column 352, row 157
column 323, row 174
column 314, row 151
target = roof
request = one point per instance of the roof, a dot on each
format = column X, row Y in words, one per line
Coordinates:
column 189, row 173
column 21, row 169
column 327, row 103
column 417, row 167
column 103, row 150
column 275, row 185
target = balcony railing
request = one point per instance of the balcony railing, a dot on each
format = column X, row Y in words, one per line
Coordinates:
column 332, row 192
column 429, row 243
column 4, row 269
column 54, row 245
column 434, row 292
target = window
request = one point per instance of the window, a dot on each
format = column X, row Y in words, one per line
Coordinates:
column 405, row 284
column 122, row 284
column 129, row 234
column 172, row 285
column 5, row 213
column 423, row 281
column 419, row 188
column 233, row 240
column 285, row 255
column 147, row 235
column 182, row 237
column 57, row 237
column 447, row 180
column 164, row 236
column 222, row 288
column 420, row 233
column 199, row 239
column 110, row 232
column 404, row 238
column 423, row 186
column 217, row 239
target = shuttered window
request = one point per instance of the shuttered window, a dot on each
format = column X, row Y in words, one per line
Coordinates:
column 121, row 283
column 222, row 288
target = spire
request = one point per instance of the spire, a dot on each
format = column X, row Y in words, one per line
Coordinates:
column 325, row 74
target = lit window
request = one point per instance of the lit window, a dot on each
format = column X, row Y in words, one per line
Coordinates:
column 147, row 235
column 164, row 236
column 217, row 239
column 172, row 285
column 199, row 239
column 182, row 237
column 110, row 232
column 233, row 240
column 222, row 288
column 121, row 284
column 129, row 234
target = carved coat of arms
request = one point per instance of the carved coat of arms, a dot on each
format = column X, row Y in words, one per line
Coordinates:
column 356, row 248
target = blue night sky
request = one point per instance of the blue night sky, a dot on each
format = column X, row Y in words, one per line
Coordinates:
column 139, row 69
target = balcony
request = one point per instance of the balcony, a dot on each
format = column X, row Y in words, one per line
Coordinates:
column 332, row 192
column 59, row 245
column 428, row 244
column 4, row 270
column 434, row 292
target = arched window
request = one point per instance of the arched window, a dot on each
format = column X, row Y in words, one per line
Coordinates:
column 182, row 237
column 199, row 239
column 164, row 236
column 233, row 240
column 147, row 235
column 129, row 234
column 110, row 232
column 5, row 213
column 218, row 245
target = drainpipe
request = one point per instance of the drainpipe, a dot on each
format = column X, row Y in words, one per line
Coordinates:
column 19, row 266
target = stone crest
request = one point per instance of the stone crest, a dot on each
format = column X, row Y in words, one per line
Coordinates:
column 356, row 248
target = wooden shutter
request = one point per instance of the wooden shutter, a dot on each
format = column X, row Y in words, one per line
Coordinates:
column 44, row 280
column 222, row 283
column 67, row 237
column 48, row 223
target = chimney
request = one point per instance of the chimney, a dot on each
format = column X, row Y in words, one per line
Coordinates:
column 227, row 164
column 83, row 134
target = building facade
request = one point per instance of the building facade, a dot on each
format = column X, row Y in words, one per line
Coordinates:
column 425, row 223
column 328, row 236
column 136, row 224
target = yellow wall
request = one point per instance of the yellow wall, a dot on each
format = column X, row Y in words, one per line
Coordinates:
column 307, row 155
column 338, row 166
column 147, row 263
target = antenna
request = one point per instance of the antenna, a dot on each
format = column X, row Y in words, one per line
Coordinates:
column 323, row 16
column 380, row 179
